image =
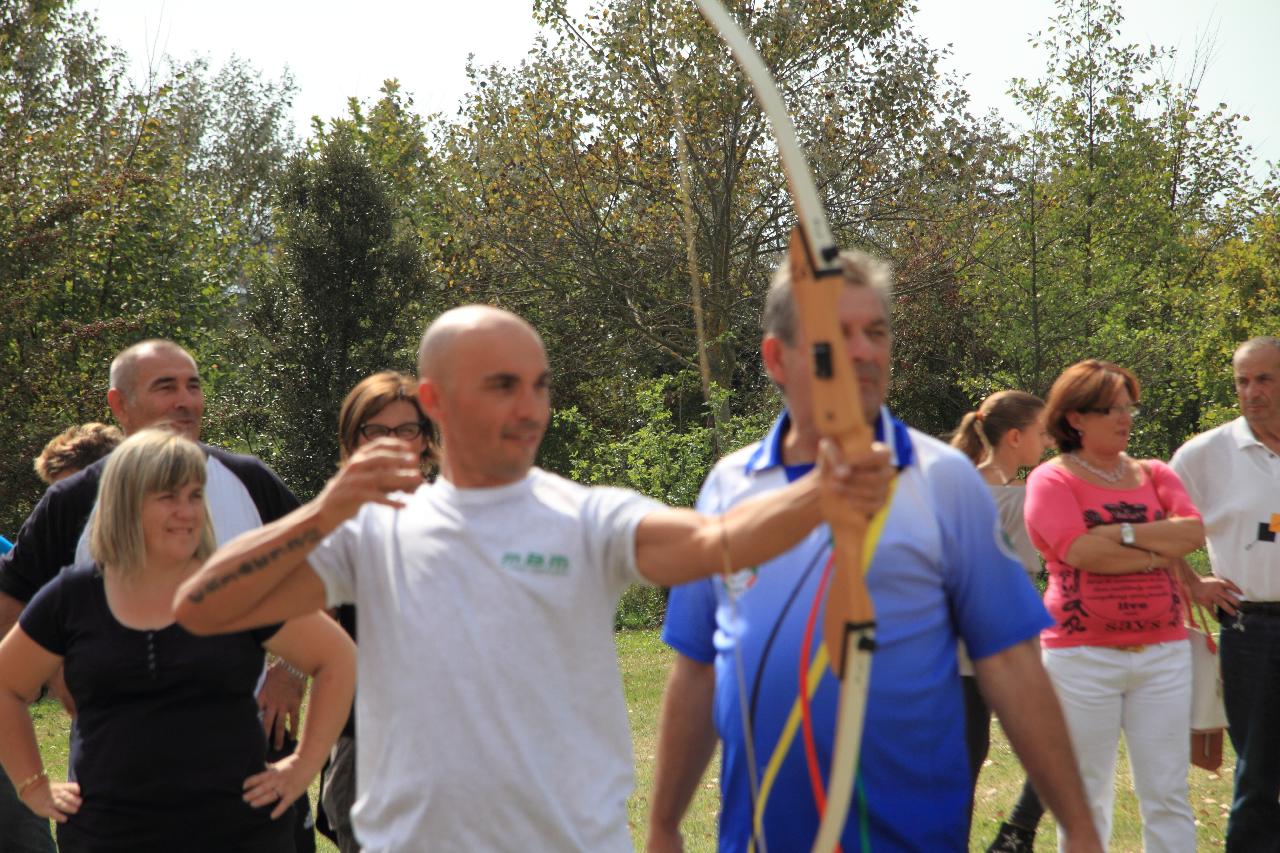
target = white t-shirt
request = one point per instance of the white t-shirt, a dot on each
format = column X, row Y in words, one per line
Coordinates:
column 490, row 713
column 1234, row 480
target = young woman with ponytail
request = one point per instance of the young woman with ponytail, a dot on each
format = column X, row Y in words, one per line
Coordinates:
column 1003, row 436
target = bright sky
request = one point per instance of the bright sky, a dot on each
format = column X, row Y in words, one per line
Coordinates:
column 339, row 49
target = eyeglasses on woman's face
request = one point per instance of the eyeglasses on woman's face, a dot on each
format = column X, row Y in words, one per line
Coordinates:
column 1128, row 409
column 407, row 432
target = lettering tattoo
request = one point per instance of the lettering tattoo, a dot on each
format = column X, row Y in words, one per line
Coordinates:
column 305, row 539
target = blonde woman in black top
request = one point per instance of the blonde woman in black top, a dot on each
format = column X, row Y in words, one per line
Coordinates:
column 168, row 752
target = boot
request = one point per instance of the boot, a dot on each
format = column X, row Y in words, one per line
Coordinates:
column 1013, row 839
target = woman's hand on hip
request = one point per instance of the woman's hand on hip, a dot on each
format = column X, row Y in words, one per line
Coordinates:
column 281, row 783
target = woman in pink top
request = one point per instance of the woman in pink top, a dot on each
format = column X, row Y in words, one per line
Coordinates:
column 1113, row 531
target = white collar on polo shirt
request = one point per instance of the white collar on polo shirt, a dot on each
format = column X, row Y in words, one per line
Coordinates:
column 1243, row 434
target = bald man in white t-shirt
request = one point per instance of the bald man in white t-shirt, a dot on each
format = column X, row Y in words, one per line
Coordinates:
column 490, row 713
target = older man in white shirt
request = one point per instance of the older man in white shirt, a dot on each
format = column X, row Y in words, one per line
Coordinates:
column 1233, row 475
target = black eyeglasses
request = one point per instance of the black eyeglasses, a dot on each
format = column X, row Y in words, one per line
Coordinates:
column 408, row 431
column 1131, row 410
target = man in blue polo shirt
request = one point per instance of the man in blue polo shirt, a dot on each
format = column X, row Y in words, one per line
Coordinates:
column 940, row 573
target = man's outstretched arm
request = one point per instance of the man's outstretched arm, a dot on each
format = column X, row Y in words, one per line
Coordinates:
column 686, row 741
column 1016, row 686
column 263, row 576
column 674, row 546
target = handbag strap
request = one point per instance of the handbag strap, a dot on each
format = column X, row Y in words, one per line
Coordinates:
column 1203, row 624
column 1192, row 608
column 1155, row 486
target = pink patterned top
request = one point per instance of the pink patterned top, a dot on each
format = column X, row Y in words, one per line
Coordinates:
column 1097, row 609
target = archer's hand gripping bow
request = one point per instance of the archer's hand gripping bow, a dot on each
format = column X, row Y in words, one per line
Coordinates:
column 849, row 623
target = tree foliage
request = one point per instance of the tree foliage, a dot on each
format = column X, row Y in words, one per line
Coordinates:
column 347, row 291
column 1121, row 222
column 1111, row 205
column 122, row 216
column 565, row 184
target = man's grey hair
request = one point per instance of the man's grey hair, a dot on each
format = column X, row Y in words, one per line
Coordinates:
column 1257, row 343
column 123, row 366
column 856, row 268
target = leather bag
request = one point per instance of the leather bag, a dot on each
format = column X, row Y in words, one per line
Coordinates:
column 1208, row 714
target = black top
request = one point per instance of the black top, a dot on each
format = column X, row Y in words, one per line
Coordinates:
column 167, row 726
column 47, row 540
column 347, row 619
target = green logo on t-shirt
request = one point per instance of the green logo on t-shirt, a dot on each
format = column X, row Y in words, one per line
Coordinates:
column 535, row 563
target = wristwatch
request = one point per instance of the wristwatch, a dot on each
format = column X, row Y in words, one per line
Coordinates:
column 1126, row 533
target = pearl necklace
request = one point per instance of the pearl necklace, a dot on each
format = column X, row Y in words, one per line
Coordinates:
column 1113, row 476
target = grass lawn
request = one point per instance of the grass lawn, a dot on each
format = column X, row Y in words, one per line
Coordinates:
column 644, row 661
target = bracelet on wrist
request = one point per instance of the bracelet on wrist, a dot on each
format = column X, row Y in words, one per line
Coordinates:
column 23, row 786
column 292, row 670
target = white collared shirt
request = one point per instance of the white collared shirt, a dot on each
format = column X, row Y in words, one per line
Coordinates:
column 1234, row 480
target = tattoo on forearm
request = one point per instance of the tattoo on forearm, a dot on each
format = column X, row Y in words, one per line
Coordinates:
column 303, row 540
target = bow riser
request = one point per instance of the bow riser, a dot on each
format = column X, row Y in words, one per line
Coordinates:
column 838, row 409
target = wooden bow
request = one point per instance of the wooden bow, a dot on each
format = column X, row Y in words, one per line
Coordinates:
column 816, row 281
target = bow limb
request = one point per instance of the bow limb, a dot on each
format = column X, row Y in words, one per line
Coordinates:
column 818, row 241
column 849, row 622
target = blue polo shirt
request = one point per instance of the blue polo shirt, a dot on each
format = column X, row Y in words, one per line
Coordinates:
column 5, row 545
column 941, row 572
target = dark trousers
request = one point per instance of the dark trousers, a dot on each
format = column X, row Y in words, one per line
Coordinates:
column 299, row 814
column 1028, row 810
column 338, row 793
column 977, row 732
column 1249, row 652
column 21, row 830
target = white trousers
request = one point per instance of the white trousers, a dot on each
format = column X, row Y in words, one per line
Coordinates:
column 1147, row 695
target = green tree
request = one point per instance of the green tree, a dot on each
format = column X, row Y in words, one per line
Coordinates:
column 109, row 229
column 564, row 184
column 1112, row 202
column 1243, row 301
column 330, row 307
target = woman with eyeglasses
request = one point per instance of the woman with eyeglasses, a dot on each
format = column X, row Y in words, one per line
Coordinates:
column 168, row 752
column 381, row 405
column 1113, row 531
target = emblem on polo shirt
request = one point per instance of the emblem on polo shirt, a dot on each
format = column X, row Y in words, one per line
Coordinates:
column 1268, row 530
column 740, row 581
